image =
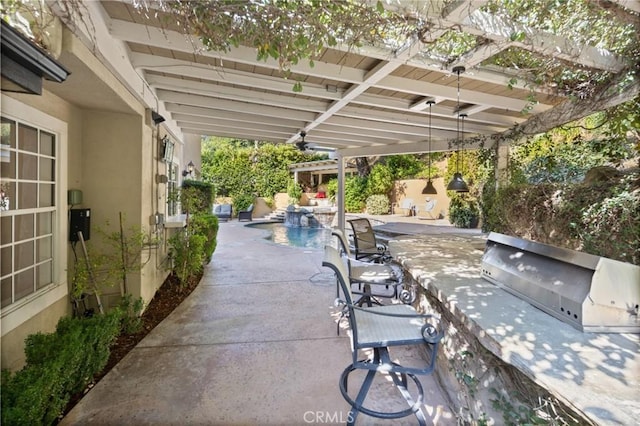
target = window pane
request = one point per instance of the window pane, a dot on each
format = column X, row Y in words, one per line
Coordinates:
column 24, row 226
column 6, row 292
column 24, row 283
column 27, row 166
column 46, row 195
column 47, row 144
column 27, row 138
column 8, row 164
column 44, row 223
column 27, row 195
column 6, row 230
column 45, row 249
column 44, row 275
column 24, row 255
column 8, row 132
column 8, row 196
column 47, row 169
column 5, row 258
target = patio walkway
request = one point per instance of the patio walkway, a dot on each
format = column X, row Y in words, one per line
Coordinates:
column 255, row 343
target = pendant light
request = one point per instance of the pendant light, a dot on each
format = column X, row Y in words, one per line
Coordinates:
column 429, row 189
column 457, row 183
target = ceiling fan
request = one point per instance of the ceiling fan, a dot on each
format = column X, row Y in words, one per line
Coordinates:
column 306, row 146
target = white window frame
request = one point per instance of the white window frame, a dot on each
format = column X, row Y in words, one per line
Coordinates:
column 19, row 312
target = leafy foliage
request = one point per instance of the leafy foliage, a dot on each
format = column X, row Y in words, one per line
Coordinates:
column 187, row 250
column 287, row 31
column 565, row 154
column 236, row 168
column 405, row 166
column 581, row 216
column 380, row 180
column 463, row 211
column 378, row 204
column 294, row 191
column 332, row 189
column 355, row 194
column 194, row 245
column 58, row 365
column 577, row 20
column 119, row 254
column 206, row 224
column 616, row 214
column 242, row 201
column 203, row 196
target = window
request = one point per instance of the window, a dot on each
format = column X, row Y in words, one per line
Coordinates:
column 172, row 188
column 28, row 170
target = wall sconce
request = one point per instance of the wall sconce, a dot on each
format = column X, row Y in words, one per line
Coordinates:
column 157, row 118
column 189, row 169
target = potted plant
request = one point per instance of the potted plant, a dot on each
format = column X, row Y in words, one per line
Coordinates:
column 464, row 212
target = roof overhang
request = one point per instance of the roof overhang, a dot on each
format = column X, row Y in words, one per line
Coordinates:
column 24, row 64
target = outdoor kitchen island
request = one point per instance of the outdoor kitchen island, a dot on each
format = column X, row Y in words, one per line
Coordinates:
column 496, row 341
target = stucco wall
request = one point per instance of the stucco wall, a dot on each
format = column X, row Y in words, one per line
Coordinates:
column 412, row 188
column 108, row 153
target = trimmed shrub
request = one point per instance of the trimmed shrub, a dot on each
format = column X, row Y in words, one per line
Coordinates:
column 207, row 225
column 378, row 204
column 187, row 249
column 197, row 195
column 58, row 365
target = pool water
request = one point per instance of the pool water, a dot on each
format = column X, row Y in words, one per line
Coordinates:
column 315, row 238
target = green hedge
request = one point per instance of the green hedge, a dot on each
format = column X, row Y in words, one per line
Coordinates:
column 204, row 195
column 207, row 225
column 58, row 365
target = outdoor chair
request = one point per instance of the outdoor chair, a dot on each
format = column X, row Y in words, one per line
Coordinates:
column 246, row 214
column 369, row 275
column 407, row 204
column 223, row 211
column 366, row 246
column 376, row 330
column 429, row 208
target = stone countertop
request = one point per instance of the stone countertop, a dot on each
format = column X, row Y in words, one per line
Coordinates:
column 596, row 373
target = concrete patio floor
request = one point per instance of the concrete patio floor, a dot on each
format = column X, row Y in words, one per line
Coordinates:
column 255, row 343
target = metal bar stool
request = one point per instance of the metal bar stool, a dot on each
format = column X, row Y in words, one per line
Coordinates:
column 377, row 329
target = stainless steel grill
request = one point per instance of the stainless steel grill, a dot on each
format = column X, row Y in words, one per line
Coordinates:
column 592, row 293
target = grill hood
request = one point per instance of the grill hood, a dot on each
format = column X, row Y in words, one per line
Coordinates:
column 591, row 293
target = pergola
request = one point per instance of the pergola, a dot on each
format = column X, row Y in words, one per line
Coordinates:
column 365, row 101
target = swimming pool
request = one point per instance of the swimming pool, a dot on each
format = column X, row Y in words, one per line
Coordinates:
column 315, row 238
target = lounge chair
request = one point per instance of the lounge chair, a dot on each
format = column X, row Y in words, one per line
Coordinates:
column 246, row 214
column 223, row 211
column 372, row 275
column 366, row 246
column 376, row 330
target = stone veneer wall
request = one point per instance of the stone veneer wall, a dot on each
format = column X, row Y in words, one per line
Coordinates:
column 474, row 379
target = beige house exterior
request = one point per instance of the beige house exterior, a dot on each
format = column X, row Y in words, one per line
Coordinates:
column 103, row 142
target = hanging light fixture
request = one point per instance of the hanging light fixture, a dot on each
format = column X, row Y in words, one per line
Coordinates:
column 457, row 183
column 429, row 189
